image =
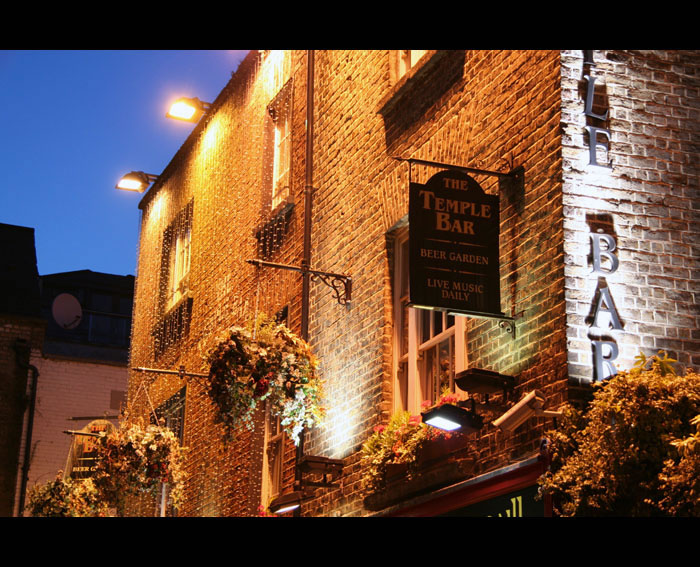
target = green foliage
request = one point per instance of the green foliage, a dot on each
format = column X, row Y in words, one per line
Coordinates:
column 634, row 451
column 131, row 460
column 66, row 498
column 264, row 362
column 396, row 443
column 135, row 460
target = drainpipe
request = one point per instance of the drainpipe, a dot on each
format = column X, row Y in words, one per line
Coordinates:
column 306, row 261
column 19, row 350
column 308, row 194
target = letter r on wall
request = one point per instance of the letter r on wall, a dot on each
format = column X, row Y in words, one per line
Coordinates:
column 603, row 365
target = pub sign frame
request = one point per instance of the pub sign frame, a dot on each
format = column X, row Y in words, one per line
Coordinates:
column 454, row 228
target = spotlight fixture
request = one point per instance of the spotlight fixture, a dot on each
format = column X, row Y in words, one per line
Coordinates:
column 531, row 405
column 286, row 502
column 329, row 469
column 451, row 417
column 136, row 181
column 188, row 109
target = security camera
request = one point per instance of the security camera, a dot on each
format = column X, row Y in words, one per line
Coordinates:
column 531, row 405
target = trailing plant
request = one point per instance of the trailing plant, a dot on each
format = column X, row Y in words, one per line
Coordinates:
column 64, row 498
column 265, row 363
column 135, row 460
column 633, row 451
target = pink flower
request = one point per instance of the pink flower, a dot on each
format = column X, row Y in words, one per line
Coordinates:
column 379, row 428
column 415, row 419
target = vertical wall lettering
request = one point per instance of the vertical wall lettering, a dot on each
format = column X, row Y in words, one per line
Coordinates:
column 605, row 316
column 598, row 136
column 603, row 246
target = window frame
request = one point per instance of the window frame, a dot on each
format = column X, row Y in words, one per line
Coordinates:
column 178, row 238
column 411, row 383
column 172, row 411
column 407, row 59
column 273, row 457
column 279, row 159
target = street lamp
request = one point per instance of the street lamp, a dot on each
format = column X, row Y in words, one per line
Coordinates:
column 136, row 181
column 188, row 109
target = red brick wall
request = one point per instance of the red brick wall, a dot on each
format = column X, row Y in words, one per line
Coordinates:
column 492, row 110
column 489, row 110
column 221, row 168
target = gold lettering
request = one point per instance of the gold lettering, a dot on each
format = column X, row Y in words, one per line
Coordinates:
column 426, row 198
column 445, row 223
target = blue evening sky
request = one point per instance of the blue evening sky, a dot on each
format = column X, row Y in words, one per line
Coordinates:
column 72, row 123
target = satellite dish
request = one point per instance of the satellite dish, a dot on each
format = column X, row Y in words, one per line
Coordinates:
column 66, row 311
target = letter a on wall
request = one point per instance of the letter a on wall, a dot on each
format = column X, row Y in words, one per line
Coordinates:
column 453, row 245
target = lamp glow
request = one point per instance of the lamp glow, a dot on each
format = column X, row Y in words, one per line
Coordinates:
column 289, row 508
column 286, row 502
column 450, row 418
column 443, row 423
column 130, row 185
column 136, row 181
column 188, row 109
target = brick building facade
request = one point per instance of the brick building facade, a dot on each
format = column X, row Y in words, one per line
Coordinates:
column 592, row 157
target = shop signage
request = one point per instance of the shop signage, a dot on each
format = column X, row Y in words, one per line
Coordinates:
column 83, row 452
column 603, row 246
column 453, row 245
column 598, row 137
column 605, row 316
column 520, row 504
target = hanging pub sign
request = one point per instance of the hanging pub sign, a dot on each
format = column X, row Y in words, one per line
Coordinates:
column 83, row 451
column 453, row 245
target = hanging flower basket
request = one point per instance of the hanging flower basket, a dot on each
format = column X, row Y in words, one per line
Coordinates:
column 136, row 460
column 66, row 498
column 271, row 364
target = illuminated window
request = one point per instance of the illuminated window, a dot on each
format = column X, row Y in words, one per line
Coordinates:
column 175, row 300
column 171, row 414
column 177, row 241
column 280, row 112
column 407, row 58
column 426, row 351
column 274, row 443
column 272, row 458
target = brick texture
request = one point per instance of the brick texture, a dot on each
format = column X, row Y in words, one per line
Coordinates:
column 647, row 200
column 491, row 110
column 28, row 333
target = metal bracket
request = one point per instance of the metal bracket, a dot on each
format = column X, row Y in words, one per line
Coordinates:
column 329, row 469
column 342, row 294
column 339, row 283
column 508, row 325
column 513, row 173
column 180, row 372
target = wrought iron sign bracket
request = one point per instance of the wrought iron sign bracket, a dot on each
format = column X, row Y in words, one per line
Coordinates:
column 339, row 283
column 505, row 323
column 180, row 372
column 514, row 174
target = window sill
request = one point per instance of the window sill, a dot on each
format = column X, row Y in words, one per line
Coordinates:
column 431, row 477
column 406, row 85
column 439, row 463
